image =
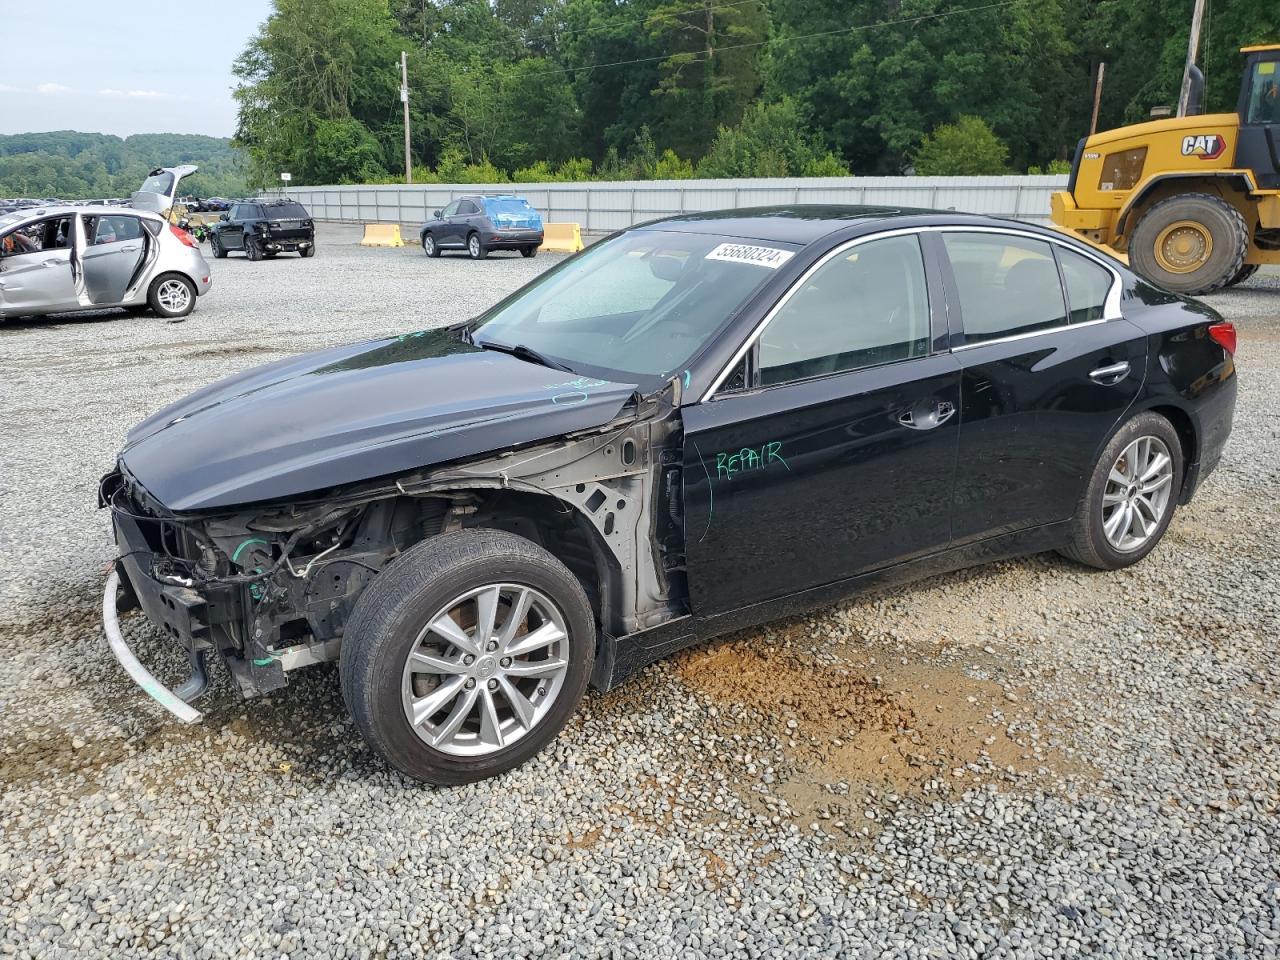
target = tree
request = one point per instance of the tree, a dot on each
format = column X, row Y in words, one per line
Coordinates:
column 772, row 141
column 966, row 148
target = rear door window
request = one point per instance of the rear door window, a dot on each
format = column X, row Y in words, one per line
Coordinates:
column 1088, row 284
column 1008, row 285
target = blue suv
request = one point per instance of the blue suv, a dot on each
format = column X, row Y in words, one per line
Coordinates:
column 480, row 224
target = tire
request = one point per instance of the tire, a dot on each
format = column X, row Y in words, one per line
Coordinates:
column 216, row 248
column 251, row 249
column 309, row 251
column 528, row 252
column 423, row 586
column 475, row 249
column 429, row 246
column 1215, row 235
column 1243, row 274
column 165, row 298
column 1090, row 542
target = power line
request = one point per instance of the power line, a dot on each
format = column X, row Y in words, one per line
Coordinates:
column 613, row 24
column 779, row 40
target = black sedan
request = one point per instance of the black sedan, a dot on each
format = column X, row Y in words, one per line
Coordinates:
column 694, row 425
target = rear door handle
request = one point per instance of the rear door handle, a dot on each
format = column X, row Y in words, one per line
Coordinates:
column 935, row 416
column 130, row 249
column 51, row 263
column 1112, row 373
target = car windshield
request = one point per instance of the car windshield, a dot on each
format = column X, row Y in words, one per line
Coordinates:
column 640, row 305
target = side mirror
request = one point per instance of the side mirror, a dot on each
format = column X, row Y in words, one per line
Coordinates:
column 225, row 216
column 436, row 214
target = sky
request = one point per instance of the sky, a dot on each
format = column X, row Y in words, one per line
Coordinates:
column 122, row 66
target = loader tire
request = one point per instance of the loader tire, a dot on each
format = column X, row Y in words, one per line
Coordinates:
column 1192, row 243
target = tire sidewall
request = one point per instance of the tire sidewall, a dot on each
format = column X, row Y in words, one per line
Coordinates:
column 379, row 713
column 475, row 249
column 1142, row 425
column 428, row 245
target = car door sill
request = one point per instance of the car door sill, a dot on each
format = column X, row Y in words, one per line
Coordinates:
column 620, row 657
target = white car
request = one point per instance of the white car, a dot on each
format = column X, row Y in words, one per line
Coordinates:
column 59, row 259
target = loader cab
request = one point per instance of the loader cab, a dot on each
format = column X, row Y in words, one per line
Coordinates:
column 1258, row 146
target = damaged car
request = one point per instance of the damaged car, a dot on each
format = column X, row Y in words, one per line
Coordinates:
column 693, row 426
column 65, row 258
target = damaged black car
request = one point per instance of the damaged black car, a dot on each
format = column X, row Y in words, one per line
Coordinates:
column 693, row 426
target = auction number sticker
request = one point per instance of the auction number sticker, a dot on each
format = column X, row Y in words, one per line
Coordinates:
column 744, row 253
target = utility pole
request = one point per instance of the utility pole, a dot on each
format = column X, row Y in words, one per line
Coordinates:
column 404, row 100
column 1193, row 47
column 1097, row 97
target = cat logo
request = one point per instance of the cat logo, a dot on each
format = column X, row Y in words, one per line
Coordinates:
column 1206, row 146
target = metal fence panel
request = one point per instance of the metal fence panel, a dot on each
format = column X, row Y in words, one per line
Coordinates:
column 610, row 205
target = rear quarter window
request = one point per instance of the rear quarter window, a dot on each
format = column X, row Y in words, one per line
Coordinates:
column 1088, row 284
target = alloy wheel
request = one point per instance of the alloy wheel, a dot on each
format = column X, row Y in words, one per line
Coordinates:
column 1136, row 495
column 485, row 670
column 473, row 246
column 174, row 296
column 428, row 245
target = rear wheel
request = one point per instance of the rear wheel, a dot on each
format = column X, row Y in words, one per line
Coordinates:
column 1193, row 243
column 309, row 251
column 172, row 296
column 527, row 252
column 475, row 248
column 429, row 246
column 1131, row 495
column 251, row 249
column 467, row 655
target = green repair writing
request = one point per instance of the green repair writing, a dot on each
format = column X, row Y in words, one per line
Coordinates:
column 730, row 463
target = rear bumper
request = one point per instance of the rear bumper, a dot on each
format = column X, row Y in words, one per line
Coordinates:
column 513, row 241
column 275, row 244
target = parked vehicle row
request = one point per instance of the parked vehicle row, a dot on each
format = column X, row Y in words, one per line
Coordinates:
column 693, row 426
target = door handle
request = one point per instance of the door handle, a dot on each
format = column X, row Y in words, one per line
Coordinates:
column 1112, row 373
column 130, row 249
column 935, row 416
column 50, row 263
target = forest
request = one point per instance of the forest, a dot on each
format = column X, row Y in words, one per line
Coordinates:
column 537, row 90
column 70, row 165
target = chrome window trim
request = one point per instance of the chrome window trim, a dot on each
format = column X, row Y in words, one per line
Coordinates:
column 1111, row 309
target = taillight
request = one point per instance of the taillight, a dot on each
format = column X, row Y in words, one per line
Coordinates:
column 1224, row 334
column 182, row 235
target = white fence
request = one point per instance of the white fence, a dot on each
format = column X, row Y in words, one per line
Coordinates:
column 601, row 207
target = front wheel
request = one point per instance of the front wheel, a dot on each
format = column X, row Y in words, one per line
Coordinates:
column 216, row 248
column 475, row 248
column 1191, row 243
column 467, row 655
column 172, row 296
column 429, row 246
column 1131, row 496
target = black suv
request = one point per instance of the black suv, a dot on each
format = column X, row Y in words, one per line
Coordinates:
column 263, row 228
column 480, row 224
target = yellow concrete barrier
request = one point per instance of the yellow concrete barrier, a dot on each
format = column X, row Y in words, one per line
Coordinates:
column 382, row 235
column 561, row 238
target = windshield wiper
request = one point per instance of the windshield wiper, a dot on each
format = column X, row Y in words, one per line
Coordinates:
column 521, row 352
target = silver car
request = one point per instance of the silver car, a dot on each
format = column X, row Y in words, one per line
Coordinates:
column 58, row 259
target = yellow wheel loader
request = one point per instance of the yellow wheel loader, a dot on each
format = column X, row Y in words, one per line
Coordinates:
column 1192, row 201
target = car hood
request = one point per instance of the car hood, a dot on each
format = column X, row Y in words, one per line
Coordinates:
column 354, row 413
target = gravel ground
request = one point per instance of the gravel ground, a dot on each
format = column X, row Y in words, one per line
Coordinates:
column 1025, row 759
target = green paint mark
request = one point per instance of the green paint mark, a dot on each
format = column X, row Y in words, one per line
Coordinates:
column 711, row 493
column 687, row 378
column 733, row 462
column 264, row 662
column 236, row 556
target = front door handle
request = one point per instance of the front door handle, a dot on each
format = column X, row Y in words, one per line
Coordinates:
column 129, row 249
column 1112, row 373
column 928, row 418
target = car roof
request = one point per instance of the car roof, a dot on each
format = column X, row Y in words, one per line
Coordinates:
column 802, row 224
column 39, row 213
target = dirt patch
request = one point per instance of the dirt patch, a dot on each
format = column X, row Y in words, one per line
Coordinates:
column 852, row 736
column 234, row 351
